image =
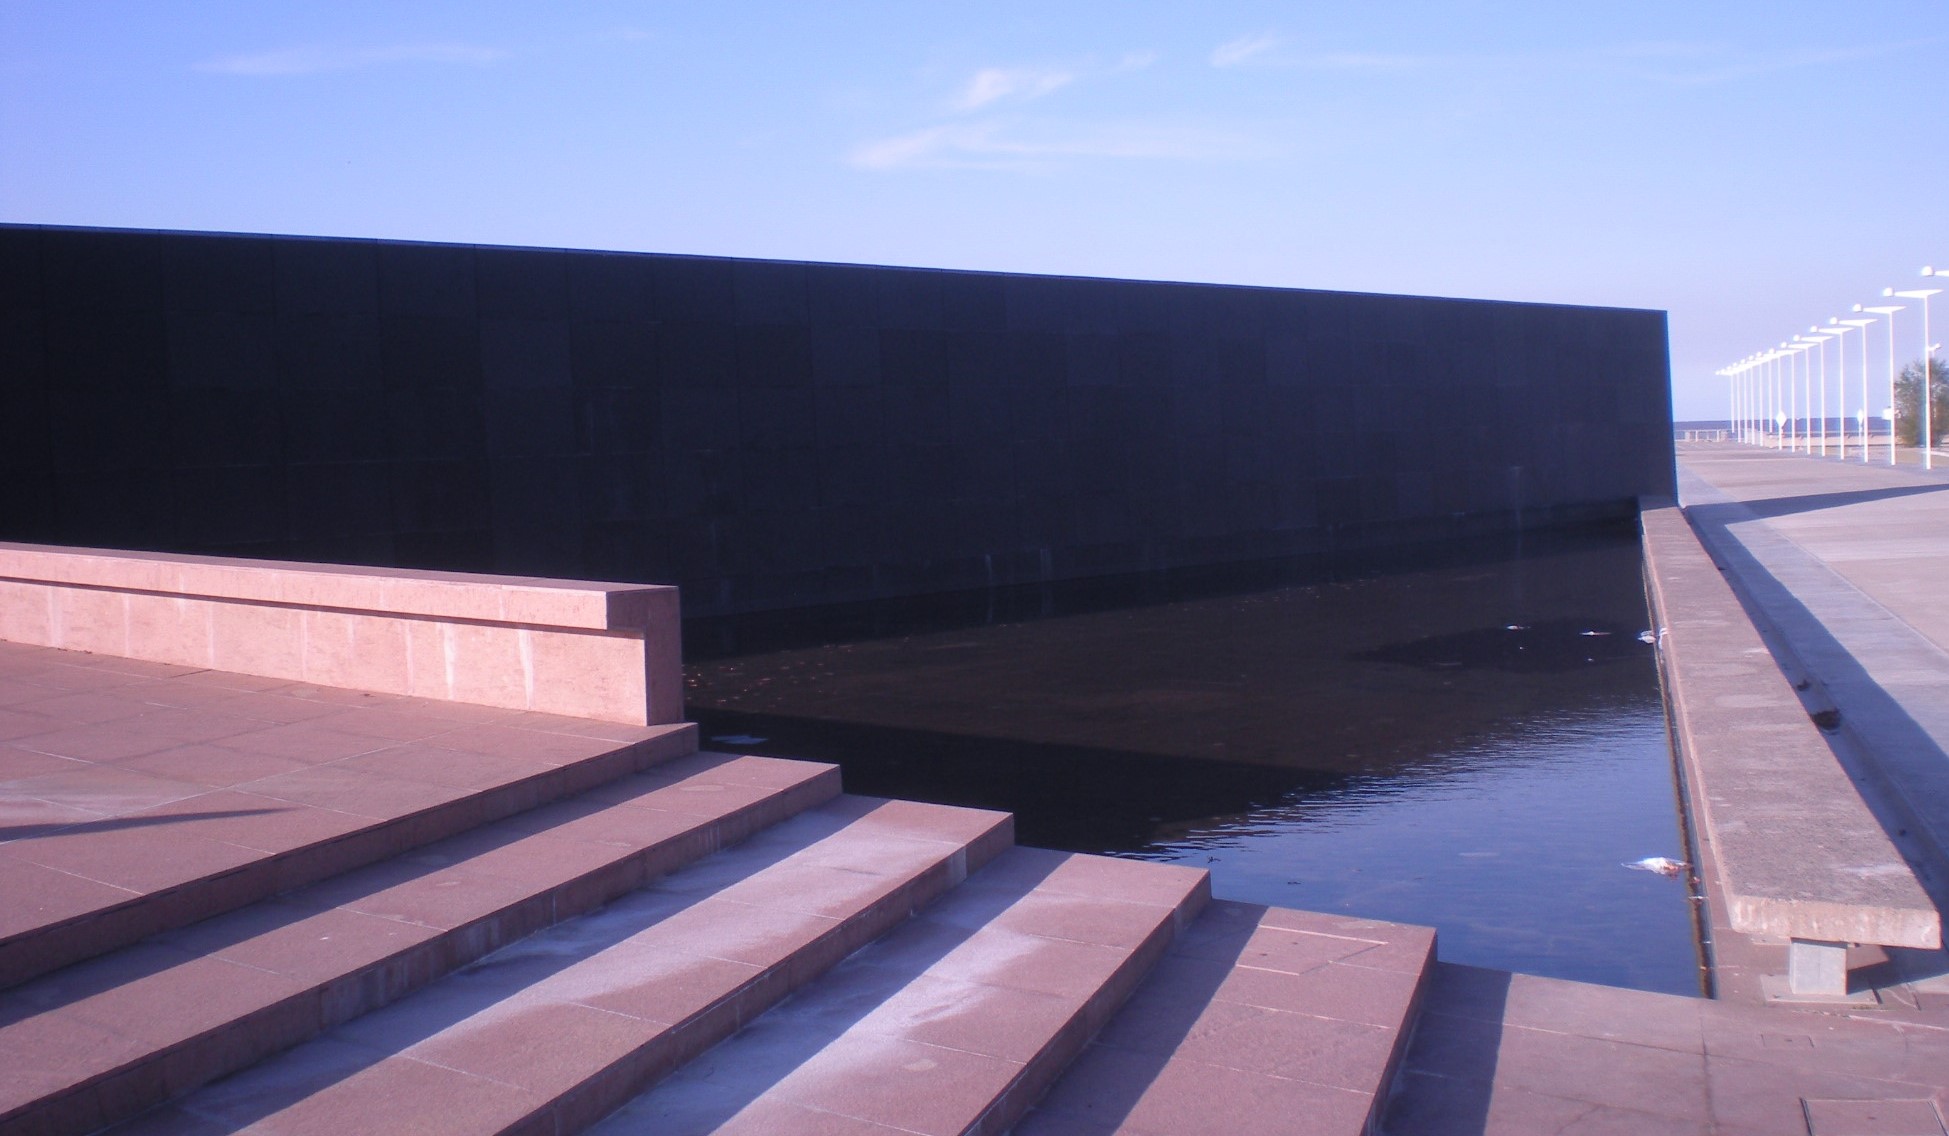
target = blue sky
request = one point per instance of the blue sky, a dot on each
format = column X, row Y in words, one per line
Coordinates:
column 1751, row 167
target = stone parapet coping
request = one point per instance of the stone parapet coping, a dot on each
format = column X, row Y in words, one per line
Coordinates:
column 593, row 650
column 1800, row 854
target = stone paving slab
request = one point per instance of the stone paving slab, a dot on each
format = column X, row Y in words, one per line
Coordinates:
column 1516, row 1055
column 138, row 796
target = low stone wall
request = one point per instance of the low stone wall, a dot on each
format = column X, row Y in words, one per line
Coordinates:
column 1799, row 854
column 592, row 650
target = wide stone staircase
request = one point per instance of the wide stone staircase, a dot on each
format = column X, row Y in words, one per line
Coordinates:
column 656, row 939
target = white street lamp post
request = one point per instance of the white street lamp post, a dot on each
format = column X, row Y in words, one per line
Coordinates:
column 1840, row 331
column 1862, row 326
column 1820, row 349
column 1928, row 353
column 1889, row 311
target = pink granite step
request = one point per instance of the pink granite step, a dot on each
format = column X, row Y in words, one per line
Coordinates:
column 137, row 797
column 104, row 1039
column 1258, row 1020
column 954, row 1023
column 553, row 1032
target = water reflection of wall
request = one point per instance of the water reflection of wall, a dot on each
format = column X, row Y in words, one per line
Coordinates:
column 1368, row 674
column 770, row 434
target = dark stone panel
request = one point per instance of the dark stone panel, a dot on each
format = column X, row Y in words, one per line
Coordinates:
column 447, row 551
column 87, row 431
column 979, row 414
column 23, row 390
column 1091, row 359
column 617, row 488
column 439, row 496
column 426, row 280
column 103, row 506
column 848, row 416
column 972, row 302
column 844, row 356
column 854, row 475
column 237, row 504
column 529, row 420
column 774, row 355
column 1037, row 360
column 916, row 413
column 1037, row 303
column 699, row 418
column 697, row 355
column 780, row 481
column 30, row 504
column 841, row 296
column 981, row 473
column 768, row 292
column 106, row 351
column 917, row 472
column 537, row 512
column 435, row 424
column 912, row 357
column 701, row 486
column 101, row 270
column 777, row 419
column 1144, row 358
column 614, row 353
column 430, row 352
column 696, row 289
column 316, row 277
column 529, row 284
column 612, row 286
column 21, row 285
column 908, row 298
column 615, row 420
column 329, row 426
column 328, row 351
column 218, row 274
column 217, row 426
column 524, row 354
column 236, row 350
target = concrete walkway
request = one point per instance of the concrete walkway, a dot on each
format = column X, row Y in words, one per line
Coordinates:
column 1845, row 568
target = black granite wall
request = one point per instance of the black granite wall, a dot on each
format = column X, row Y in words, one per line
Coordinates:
column 772, row 433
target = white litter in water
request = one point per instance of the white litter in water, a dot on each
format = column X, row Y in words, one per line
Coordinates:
column 739, row 739
column 1663, row 865
column 1647, row 637
column 1517, row 627
column 1593, row 633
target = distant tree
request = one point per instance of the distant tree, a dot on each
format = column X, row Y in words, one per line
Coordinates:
column 1908, row 403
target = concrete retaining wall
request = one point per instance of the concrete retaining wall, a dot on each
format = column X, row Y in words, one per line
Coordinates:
column 772, row 434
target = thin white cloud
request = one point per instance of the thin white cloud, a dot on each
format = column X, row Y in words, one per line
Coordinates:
column 992, row 84
column 1018, row 146
column 312, row 60
column 1244, row 48
column 1719, row 66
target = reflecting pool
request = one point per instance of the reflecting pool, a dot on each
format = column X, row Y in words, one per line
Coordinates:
column 1471, row 739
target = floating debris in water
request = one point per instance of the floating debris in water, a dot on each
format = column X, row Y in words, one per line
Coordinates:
column 1593, row 633
column 1647, row 637
column 1663, row 865
column 739, row 739
column 1516, row 627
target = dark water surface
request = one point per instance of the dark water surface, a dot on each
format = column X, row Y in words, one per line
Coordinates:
column 1476, row 743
